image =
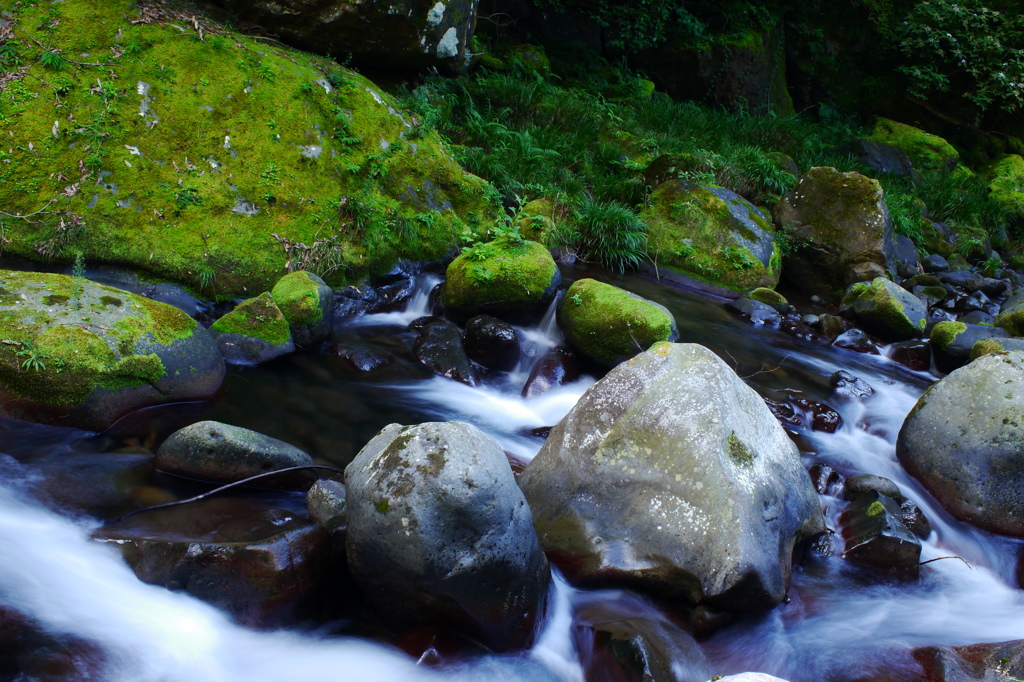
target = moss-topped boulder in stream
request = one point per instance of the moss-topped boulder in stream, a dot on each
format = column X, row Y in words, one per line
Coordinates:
column 888, row 310
column 254, row 332
column 609, row 324
column 210, row 158
column 508, row 278
column 77, row 353
column 307, row 303
column 713, row 235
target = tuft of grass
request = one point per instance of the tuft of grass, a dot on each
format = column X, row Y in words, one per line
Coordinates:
column 608, row 233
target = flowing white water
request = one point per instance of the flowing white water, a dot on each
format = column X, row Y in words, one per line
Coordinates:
column 417, row 306
column 71, row 585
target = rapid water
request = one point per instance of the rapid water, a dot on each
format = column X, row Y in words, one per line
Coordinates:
column 842, row 622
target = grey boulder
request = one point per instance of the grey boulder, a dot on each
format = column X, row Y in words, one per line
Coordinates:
column 671, row 475
column 439, row 531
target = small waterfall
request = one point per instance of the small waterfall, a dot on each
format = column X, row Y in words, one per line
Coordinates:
column 417, row 306
column 536, row 341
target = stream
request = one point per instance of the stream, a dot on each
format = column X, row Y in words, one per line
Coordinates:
column 842, row 621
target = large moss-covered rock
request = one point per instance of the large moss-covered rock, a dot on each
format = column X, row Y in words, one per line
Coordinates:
column 713, row 235
column 609, row 324
column 307, row 303
column 888, row 310
column 439, row 531
column 671, row 475
column 1006, row 181
column 1011, row 315
column 254, row 332
column 402, row 33
column 926, row 151
column 995, row 346
column 510, row 279
column 77, row 353
column 840, row 231
column 963, row 441
column 213, row 159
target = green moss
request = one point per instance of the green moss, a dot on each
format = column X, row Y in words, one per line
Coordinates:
column 767, row 296
column 258, row 318
column 831, row 201
column 536, row 221
column 739, row 452
column 879, row 304
column 944, row 333
column 226, row 124
column 501, row 274
column 297, row 294
column 1012, row 317
column 693, row 231
column 875, row 508
column 610, row 324
column 926, row 151
column 853, row 292
column 987, row 347
column 1006, row 181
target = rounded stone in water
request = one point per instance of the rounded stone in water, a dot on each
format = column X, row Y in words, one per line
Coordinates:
column 213, row 451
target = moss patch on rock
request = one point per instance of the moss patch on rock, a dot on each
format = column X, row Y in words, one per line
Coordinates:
column 503, row 277
column 297, row 295
column 1006, row 181
column 945, row 332
column 927, row 152
column 211, row 158
column 768, row 297
column 258, row 318
column 713, row 235
column 890, row 311
column 62, row 337
column 610, row 324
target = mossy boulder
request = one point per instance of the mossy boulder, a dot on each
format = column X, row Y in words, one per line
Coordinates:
column 1011, row 315
column 77, row 353
column 839, row 229
column 963, row 442
column 307, row 303
column 953, row 342
column 393, row 34
column 927, row 152
column 671, row 475
column 510, row 279
column 1006, row 181
column 995, row 346
column 213, row 159
column 253, row 333
column 609, row 324
column 713, row 235
column 768, row 297
column 536, row 221
column 889, row 311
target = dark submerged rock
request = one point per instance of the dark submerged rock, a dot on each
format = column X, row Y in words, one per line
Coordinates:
column 847, row 385
column 875, row 534
column 557, row 368
column 439, row 347
column 491, row 343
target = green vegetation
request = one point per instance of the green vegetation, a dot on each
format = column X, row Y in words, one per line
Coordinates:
column 258, row 318
column 201, row 155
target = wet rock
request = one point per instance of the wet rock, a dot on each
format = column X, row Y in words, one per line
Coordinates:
column 914, row 518
column 952, row 342
column 884, row 158
column 833, row 325
column 842, row 227
column 865, row 485
column 326, row 501
column 213, row 451
column 961, row 279
column 977, row 301
column 1011, row 315
column 557, row 368
column 1002, row 662
column 929, row 295
column 915, row 355
column 995, row 346
column 609, row 324
column 849, row 386
column 307, row 304
column 826, row 480
column 979, row 317
column 751, row 677
column 961, row 442
column 28, row 652
column 439, row 348
column 352, row 301
column 393, row 290
column 629, row 640
column 755, row 312
column 991, row 286
column 253, row 333
column 923, row 280
column 404, row 34
column 785, row 413
column 819, row 416
column 266, row 572
column 513, row 281
column 76, row 353
column 889, row 311
column 875, row 535
column 610, row 510
column 905, row 255
column 491, row 343
column 857, row 341
column 934, row 263
column 439, row 531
